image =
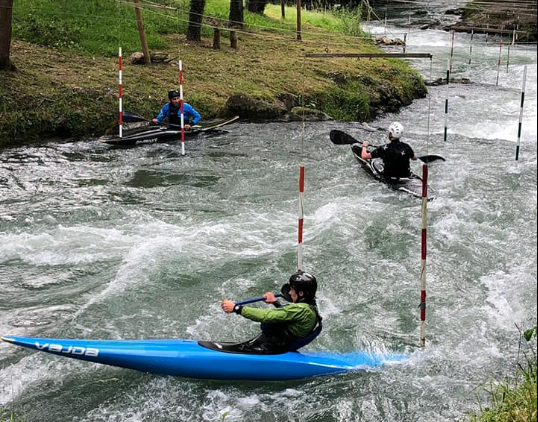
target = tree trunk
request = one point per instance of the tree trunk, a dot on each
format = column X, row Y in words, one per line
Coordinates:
column 194, row 31
column 257, row 6
column 5, row 34
column 236, row 13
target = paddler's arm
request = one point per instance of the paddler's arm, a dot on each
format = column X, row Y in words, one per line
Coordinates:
column 271, row 299
column 365, row 155
column 162, row 115
column 229, row 306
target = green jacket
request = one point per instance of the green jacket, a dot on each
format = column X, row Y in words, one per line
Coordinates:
column 299, row 318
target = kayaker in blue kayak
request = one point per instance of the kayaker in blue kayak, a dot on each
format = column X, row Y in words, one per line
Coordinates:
column 172, row 111
column 395, row 155
column 286, row 328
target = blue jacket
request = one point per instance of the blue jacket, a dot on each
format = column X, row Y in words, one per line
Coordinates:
column 188, row 111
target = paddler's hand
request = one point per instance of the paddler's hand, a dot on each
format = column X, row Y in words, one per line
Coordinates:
column 270, row 298
column 187, row 127
column 227, row 306
column 365, row 144
column 155, row 121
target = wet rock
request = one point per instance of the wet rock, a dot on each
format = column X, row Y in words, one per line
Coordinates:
column 308, row 115
column 388, row 41
column 255, row 109
column 442, row 81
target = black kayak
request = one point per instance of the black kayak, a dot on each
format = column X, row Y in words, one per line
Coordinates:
column 374, row 167
column 154, row 134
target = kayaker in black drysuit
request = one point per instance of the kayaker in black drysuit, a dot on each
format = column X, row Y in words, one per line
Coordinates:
column 286, row 328
column 395, row 155
column 172, row 110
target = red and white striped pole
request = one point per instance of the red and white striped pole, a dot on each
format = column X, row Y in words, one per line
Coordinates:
column 452, row 50
column 499, row 62
column 423, row 255
column 520, row 127
column 181, row 108
column 301, row 218
column 120, row 92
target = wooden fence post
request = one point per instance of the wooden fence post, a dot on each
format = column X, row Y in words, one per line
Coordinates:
column 233, row 40
column 143, row 40
column 216, row 38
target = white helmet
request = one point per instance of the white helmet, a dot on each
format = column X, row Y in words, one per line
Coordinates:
column 396, row 130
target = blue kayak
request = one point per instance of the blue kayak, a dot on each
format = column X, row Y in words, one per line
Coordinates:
column 206, row 360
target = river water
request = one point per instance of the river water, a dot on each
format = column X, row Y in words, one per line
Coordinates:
column 109, row 243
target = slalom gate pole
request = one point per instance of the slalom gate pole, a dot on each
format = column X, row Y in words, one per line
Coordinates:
column 471, row 48
column 520, row 127
column 423, row 255
column 499, row 63
column 181, row 102
column 452, row 50
column 120, row 91
column 301, row 218
column 448, row 72
column 508, row 60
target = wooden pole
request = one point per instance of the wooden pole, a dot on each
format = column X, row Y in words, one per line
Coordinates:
column 299, row 35
column 216, row 39
column 283, row 8
column 143, row 40
column 233, row 40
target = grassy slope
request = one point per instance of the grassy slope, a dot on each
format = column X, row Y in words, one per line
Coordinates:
column 70, row 87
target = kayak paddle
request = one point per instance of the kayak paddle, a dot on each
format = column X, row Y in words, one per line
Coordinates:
column 256, row 299
column 342, row 138
column 132, row 118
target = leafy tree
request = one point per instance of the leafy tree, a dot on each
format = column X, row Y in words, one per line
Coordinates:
column 236, row 13
column 6, row 14
column 196, row 15
column 257, row 6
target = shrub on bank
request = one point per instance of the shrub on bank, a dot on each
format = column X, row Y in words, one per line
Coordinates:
column 514, row 400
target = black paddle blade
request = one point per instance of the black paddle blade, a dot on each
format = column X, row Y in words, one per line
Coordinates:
column 131, row 118
column 431, row 158
column 342, row 138
column 285, row 291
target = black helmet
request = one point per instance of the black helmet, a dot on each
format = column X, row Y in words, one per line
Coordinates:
column 173, row 94
column 301, row 282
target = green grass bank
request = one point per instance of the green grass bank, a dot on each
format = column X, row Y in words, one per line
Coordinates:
column 66, row 81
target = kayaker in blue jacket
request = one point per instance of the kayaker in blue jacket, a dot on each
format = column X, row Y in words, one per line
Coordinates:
column 172, row 111
column 286, row 328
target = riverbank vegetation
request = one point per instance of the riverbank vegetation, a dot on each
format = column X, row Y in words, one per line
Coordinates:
column 514, row 400
column 66, row 81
